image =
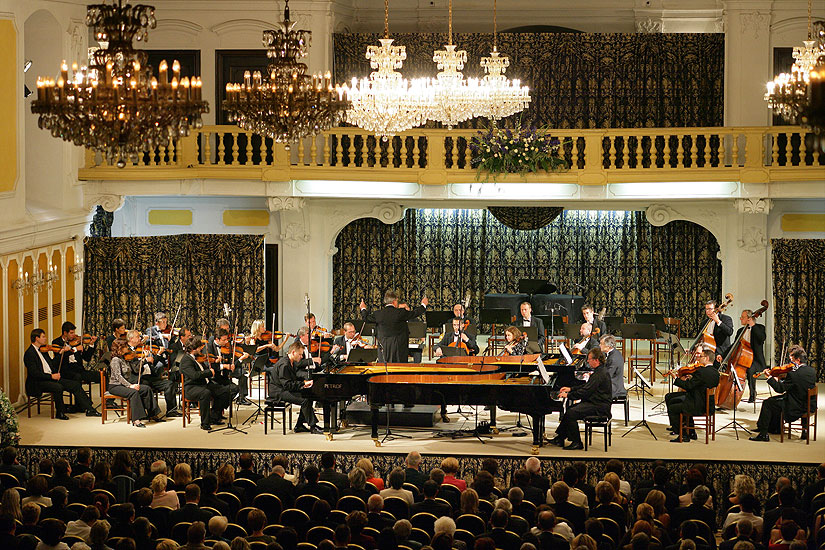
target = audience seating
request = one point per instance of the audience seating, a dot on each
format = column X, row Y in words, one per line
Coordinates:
column 270, row 504
column 306, row 502
column 471, row 523
column 319, row 533
column 398, row 507
column 349, row 503
column 424, row 521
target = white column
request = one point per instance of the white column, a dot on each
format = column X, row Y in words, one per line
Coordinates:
column 748, row 61
column 4, row 273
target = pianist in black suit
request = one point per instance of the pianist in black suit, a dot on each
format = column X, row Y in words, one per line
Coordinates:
column 614, row 363
column 42, row 375
column 595, row 397
column 455, row 338
column 286, row 380
column 527, row 319
column 391, row 327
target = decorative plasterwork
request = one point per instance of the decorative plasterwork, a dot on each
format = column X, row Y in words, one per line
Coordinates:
column 77, row 30
column 753, row 240
column 754, row 206
column 285, row 203
column 388, row 212
column 110, row 203
column 754, row 22
column 662, row 214
column 648, row 26
column 293, row 229
column 241, row 25
column 179, row 26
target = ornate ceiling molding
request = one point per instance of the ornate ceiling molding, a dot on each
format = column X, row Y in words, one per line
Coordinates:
column 754, row 206
column 109, row 203
column 277, row 204
column 755, row 22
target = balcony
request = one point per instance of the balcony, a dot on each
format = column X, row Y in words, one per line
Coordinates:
column 433, row 157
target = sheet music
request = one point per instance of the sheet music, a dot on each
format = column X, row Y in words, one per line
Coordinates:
column 565, row 354
column 542, row 371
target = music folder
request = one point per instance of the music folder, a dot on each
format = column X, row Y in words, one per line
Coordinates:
column 565, row 354
column 545, row 376
column 362, row 355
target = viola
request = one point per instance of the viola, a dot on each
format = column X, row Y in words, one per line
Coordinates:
column 141, row 350
column 315, row 346
column 235, row 351
column 170, row 331
column 685, row 370
column 778, row 371
column 86, row 339
column 320, row 332
column 206, row 358
column 54, row 348
column 274, row 335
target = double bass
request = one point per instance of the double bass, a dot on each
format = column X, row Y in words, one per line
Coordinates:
column 706, row 336
column 737, row 362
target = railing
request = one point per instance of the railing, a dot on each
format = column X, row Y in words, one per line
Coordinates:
column 431, row 156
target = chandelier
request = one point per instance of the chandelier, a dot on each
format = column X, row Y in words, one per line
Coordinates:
column 287, row 105
column 502, row 97
column 386, row 103
column 454, row 99
column 797, row 96
column 115, row 106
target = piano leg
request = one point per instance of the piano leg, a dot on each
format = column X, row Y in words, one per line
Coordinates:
column 327, row 419
column 493, row 428
column 374, row 411
column 538, row 432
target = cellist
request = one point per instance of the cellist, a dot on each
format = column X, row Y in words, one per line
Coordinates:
column 457, row 339
column 721, row 330
column 754, row 334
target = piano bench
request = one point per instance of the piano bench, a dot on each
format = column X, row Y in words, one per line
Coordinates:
column 602, row 422
column 272, row 407
column 625, row 403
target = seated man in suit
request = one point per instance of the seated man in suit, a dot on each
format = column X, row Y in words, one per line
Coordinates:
column 588, row 340
column 614, row 363
column 692, row 400
column 345, row 343
column 430, row 504
column 69, row 361
column 44, row 375
column 198, row 385
column 527, row 319
column 457, row 338
column 230, row 367
column 286, row 380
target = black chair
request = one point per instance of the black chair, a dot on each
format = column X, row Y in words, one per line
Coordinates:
column 414, row 490
column 319, row 533
column 295, row 518
column 350, row 503
column 306, row 502
column 234, row 530
column 337, row 517
column 398, row 507
column 272, row 407
column 470, row 523
column 518, row 525
column 246, row 484
column 465, row 536
column 602, row 422
column 331, row 486
column 485, row 507
column 622, row 400
column 424, row 521
column 270, row 504
column 611, row 528
column 179, row 532
column 420, row 535
column 242, row 515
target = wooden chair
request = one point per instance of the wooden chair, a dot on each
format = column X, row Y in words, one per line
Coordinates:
column 42, row 399
column 106, row 397
column 640, row 361
column 186, row 404
column 804, row 421
column 674, row 326
column 707, row 420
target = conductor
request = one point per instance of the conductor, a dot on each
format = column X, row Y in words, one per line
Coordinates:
column 391, row 327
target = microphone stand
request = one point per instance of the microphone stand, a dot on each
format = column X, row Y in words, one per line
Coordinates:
column 389, row 436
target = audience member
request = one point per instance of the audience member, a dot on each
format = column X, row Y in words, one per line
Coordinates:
column 195, row 536
column 575, row 496
column 375, row 519
column 255, row 522
column 402, row 529
column 226, row 484
column 369, row 471
column 786, row 510
column 51, row 531
column 62, row 476
column 747, row 506
column 357, row 485
column 37, row 488
column 83, row 461
column 450, row 467
column 435, row 507
column 10, row 465
column 247, row 468
column 413, row 472
column 162, row 497
column 10, row 504
column 533, row 467
column 484, row 484
column 58, row 510
column 82, row 527
column 31, row 517
column 615, row 466
column 356, row 521
column 396, row 482
column 276, row 484
column 216, row 528
column 328, row 472
column 157, row 467
column 310, row 486
column 697, row 509
column 444, row 531
column 744, row 532
column 181, row 476
column 190, row 512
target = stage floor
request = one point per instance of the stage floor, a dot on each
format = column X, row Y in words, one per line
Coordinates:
column 84, row 431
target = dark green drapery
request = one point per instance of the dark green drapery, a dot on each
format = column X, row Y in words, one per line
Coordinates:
column 199, row 273
column 625, row 264
column 581, row 80
column 799, row 298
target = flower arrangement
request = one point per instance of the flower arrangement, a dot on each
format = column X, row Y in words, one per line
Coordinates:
column 521, row 150
column 9, row 431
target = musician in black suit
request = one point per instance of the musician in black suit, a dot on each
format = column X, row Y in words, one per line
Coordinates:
column 794, row 389
column 391, row 327
column 755, row 334
column 70, row 360
column 344, row 344
column 230, row 367
column 198, row 385
column 614, row 363
column 692, row 400
column 286, row 380
column 42, row 375
column 722, row 328
column 527, row 319
column 588, row 340
column 455, row 338
column 595, row 396
column 152, row 374
column 590, row 317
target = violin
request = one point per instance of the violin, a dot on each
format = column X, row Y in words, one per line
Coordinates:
column 54, row 348
column 141, row 350
column 316, row 346
column 685, row 370
column 235, row 351
column 170, row 331
column 275, row 335
column 206, row 358
column 320, row 332
column 778, row 371
column 86, row 339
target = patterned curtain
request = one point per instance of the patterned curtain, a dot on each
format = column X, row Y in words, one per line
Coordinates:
column 525, row 217
column 799, row 298
column 128, row 276
column 623, row 262
column 101, row 225
column 580, row 80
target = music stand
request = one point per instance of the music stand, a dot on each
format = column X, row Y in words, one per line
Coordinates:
column 644, row 384
column 437, row 319
column 675, row 349
column 572, row 331
column 470, row 330
column 635, row 331
column 733, row 423
column 655, row 319
column 258, row 366
column 493, row 317
column 362, row 355
column 452, row 352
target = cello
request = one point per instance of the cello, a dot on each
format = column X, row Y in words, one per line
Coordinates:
column 736, row 363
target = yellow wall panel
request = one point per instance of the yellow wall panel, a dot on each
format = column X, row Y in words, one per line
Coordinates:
column 17, row 340
column 249, row 218
column 803, row 222
column 170, row 217
column 9, row 93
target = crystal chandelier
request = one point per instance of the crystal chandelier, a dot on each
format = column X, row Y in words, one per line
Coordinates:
column 454, row 98
column 116, row 106
column 789, row 94
column 386, row 103
column 502, row 97
column 289, row 104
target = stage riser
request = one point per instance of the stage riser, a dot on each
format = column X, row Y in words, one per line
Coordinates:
column 420, row 416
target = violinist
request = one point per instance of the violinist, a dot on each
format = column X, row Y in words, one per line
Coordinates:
column 343, row 344
column 457, row 338
column 118, row 332
column 302, row 337
column 692, row 400
column 794, row 388
column 265, row 346
column 596, row 323
column 199, row 386
column 754, row 333
column 161, row 335
column 122, row 382
column 286, row 380
column 73, row 353
column 515, row 341
column 614, row 363
column 527, row 319
column 588, row 339
column 150, row 372
column 722, row 329
column 42, row 376
column 230, row 366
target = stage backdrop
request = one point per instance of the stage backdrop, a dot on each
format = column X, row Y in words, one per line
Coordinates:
column 621, row 261
column 799, row 298
column 126, row 276
column 580, row 80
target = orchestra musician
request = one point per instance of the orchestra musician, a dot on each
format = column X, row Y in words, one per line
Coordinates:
column 177, row 349
column 525, row 318
column 344, row 344
column 595, row 399
column 198, row 385
column 755, row 335
column 43, row 375
column 151, row 371
column 692, row 400
column 118, row 331
column 303, row 337
column 722, row 330
column 286, row 380
column 794, row 388
column 514, row 342
column 590, row 317
column 391, row 327
column 458, row 311
column 124, row 383
column 588, row 339
column 457, row 338
column 614, row 363
column 230, row 367
column 71, row 357
column 264, row 346
column 160, row 334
